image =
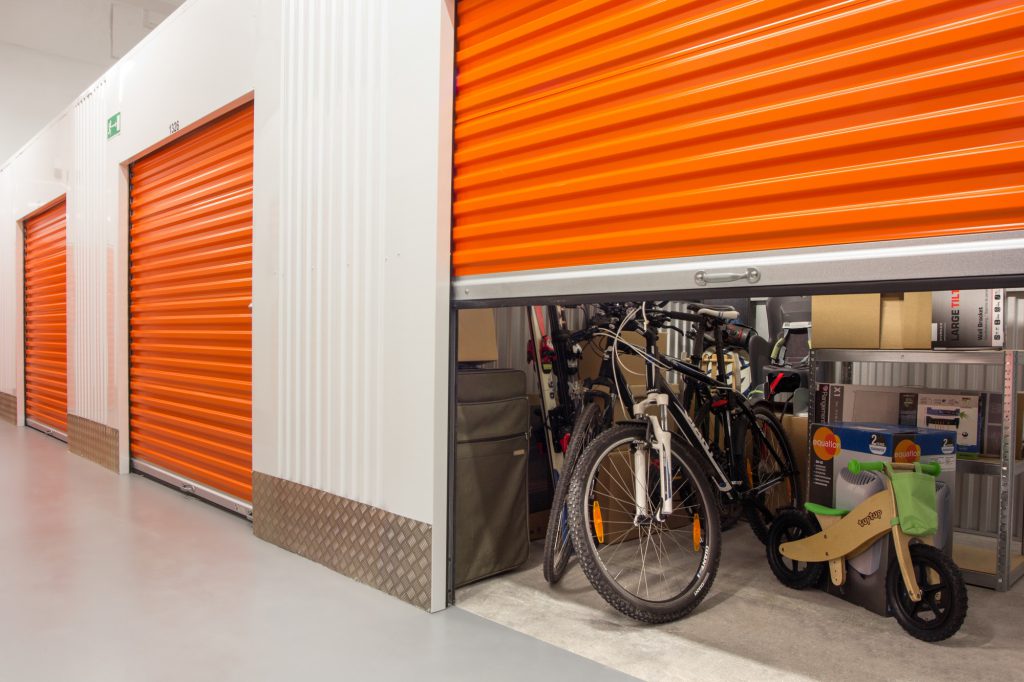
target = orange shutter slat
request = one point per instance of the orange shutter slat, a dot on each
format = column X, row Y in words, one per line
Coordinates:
column 46, row 341
column 191, row 285
column 599, row 131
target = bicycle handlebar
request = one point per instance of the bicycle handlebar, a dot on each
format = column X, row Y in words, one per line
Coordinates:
column 856, row 467
column 720, row 314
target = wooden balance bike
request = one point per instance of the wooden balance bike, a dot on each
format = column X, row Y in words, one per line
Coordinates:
column 924, row 588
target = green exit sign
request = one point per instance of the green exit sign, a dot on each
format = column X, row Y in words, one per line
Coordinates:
column 114, row 125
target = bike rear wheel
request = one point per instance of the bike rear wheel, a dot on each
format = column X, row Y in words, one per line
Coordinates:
column 651, row 569
column 767, row 465
column 557, row 541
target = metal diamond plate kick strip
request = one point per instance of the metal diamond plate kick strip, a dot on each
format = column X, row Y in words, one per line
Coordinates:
column 383, row 550
column 8, row 408
column 96, row 442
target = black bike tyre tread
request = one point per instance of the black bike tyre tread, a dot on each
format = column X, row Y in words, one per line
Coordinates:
column 957, row 588
column 752, row 514
column 580, row 533
column 554, row 568
column 811, row 575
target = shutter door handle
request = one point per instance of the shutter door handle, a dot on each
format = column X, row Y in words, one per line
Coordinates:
column 704, row 278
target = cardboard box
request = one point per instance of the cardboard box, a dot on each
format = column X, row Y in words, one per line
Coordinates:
column 968, row 318
column 833, row 445
column 854, row 403
column 897, row 321
column 478, row 337
column 908, row 406
column 539, row 525
column 795, row 428
column 957, row 413
column 593, row 354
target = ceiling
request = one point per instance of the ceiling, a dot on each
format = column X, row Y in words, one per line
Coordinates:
column 51, row 50
column 93, row 31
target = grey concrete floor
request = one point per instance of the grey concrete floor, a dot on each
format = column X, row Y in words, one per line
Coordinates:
column 120, row 578
column 750, row 627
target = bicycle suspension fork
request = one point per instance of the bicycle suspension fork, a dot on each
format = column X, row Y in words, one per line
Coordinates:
column 661, row 443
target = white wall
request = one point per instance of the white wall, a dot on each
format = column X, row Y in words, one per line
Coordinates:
column 351, row 232
column 34, row 87
column 51, row 50
column 27, row 183
column 351, row 254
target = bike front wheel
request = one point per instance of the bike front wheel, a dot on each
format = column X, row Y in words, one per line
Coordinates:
column 652, row 567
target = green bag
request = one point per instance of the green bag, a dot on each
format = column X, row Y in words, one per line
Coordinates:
column 915, row 501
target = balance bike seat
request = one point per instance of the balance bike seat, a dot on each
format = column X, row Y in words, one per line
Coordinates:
column 822, row 510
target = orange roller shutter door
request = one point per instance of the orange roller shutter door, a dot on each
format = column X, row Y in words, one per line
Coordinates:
column 601, row 131
column 46, row 314
column 191, row 289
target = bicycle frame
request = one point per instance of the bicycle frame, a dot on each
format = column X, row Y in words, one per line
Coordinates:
column 720, row 397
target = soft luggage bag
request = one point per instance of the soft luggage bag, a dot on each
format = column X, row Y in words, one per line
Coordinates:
column 491, row 509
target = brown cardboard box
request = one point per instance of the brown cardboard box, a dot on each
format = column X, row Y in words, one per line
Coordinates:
column 590, row 362
column 478, row 338
column 539, row 525
column 906, row 320
column 795, row 428
column 872, row 321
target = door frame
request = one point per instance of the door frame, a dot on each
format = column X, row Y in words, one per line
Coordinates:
column 20, row 309
column 987, row 260
column 122, row 316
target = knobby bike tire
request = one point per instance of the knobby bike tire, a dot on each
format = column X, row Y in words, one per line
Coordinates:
column 761, row 510
column 558, row 546
column 698, row 504
column 789, row 526
column 944, row 595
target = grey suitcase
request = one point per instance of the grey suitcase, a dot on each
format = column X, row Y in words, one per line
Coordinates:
column 491, row 508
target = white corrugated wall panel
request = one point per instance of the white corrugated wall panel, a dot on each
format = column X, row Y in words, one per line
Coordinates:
column 91, row 388
column 10, row 349
column 352, row 209
column 331, row 417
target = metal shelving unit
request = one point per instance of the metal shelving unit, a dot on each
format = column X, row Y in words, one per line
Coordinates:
column 836, row 366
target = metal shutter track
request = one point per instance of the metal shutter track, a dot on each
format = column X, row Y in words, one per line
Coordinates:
column 191, row 286
column 599, row 131
column 46, row 340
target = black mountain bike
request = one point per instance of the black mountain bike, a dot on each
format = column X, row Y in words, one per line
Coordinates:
column 593, row 413
column 642, row 504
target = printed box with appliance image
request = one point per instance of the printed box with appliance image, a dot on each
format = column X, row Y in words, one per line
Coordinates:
column 834, row 444
column 958, row 411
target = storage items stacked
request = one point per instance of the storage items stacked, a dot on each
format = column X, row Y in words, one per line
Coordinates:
column 916, row 320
